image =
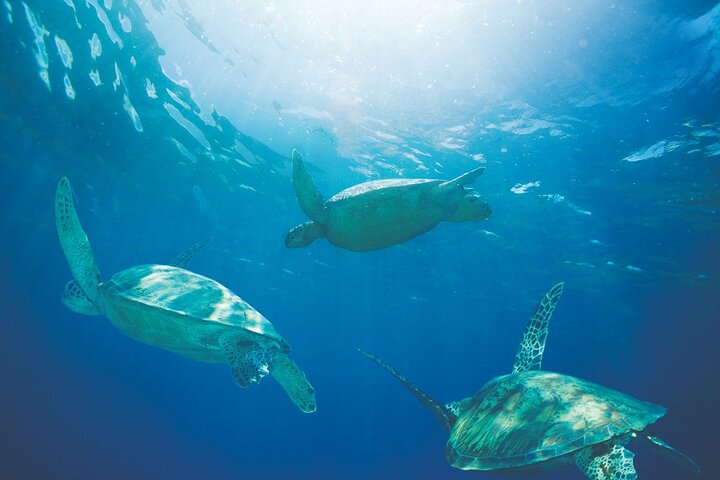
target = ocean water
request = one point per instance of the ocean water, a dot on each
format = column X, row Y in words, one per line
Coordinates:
column 598, row 123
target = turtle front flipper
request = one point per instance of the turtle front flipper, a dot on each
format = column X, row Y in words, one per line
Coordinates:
column 75, row 299
column 248, row 362
column 309, row 197
column 75, row 244
column 294, row 382
column 530, row 353
column 615, row 464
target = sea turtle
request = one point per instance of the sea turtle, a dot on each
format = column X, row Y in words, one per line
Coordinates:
column 532, row 421
column 381, row 213
column 173, row 308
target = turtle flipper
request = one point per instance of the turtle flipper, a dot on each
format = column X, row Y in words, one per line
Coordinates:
column 465, row 179
column 75, row 244
column 249, row 363
column 184, row 258
column 615, row 464
column 671, row 452
column 294, row 382
column 446, row 416
column 530, row 353
column 309, row 197
column 76, row 300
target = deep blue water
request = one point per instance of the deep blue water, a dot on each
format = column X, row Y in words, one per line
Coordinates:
column 598, row 126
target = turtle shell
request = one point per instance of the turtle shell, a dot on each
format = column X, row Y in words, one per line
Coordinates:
column 394, row 186
column 381, row 213
column 519, row 420
column 182, row 311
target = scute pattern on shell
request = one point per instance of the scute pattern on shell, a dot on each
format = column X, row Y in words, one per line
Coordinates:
column 187, row 293
column 526, row 418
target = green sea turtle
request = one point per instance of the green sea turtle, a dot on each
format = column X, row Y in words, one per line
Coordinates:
column 532, row 421
column 381, row 213
column 173, row 308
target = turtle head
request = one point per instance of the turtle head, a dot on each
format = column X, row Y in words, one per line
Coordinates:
column 470, row 207
column 303, row 235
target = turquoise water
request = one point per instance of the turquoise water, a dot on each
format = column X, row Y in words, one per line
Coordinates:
column 597, row 125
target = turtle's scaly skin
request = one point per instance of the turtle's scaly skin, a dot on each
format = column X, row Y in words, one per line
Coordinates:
column 181, row 311
column 522, row 419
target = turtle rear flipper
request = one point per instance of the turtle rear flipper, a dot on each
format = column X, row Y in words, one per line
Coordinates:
column 309, row 197
column 615, row 464
column 446, row 415
column 293, row 380
column 672, row 453
column 76, row 300
column 75, row 243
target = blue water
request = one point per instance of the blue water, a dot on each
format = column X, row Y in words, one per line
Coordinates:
column 599, row 128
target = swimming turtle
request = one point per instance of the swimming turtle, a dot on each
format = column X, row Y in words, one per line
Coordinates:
column 173, row 308
column 381, row 213
column 532, row 421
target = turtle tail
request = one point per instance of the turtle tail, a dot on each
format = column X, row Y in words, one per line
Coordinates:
column 76, row 245
column 446, row 418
